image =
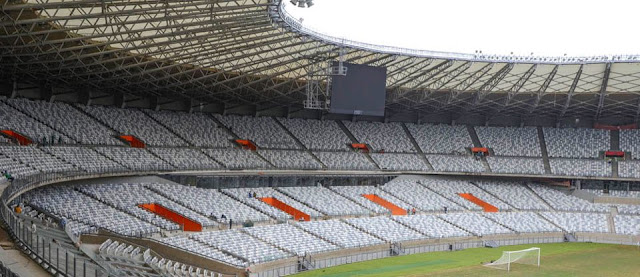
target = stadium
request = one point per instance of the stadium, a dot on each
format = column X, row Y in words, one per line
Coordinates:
column 228, row 138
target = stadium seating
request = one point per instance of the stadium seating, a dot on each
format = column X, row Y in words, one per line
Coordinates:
column 191, row 245
column 576, row 142
column 84, row 158
column 580, row 167
column 523, row 222
column 392, row 161
column 455, row 163
column 339, row 233
column 627, row 224
column 263, row 131
column 242, row 245
column 441, row 139
column 16, row 168
column 475, row 223
column 195, row 141
column 185, row 158
column 197, row 128
column 563, row 202
column 515, row 194
column 209, row 202
column 124, row 259
column 325, row 200
column 134, row 158
column 135, row 122
column 345, row 160
column 235, row 158
column 291, row 238
column 622, row 193
column 387, row 137
column 317, row 134
column 128, row 196
column 37, row 159
column 385, row 228
column 242, row 194
column 516, row 165
column 615, row 192
column 417, row 196
column 290, row 159
column 521, row 141
column 64, row 202
column 67, row 120
column 630, row 141
column 127, row 199
column 12, row 119
column 578, row 222
column 77, row 228
column 270, row 192
column 432, row 226
column 451, row 189
column 355, row 194
column 629, row 169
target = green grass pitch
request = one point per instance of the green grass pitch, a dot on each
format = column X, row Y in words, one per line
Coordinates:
column 558, row 259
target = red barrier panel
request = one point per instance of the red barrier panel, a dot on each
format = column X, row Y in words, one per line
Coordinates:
column 247, row 144
column 297, row 214
column 361, row 146
column 554, row 182
column 133, row 141
column 614, row 154
column 480, row 150
column 612, row 127
column 22, row 140
column 486, row 206
column 186, row 223
column 395, row 210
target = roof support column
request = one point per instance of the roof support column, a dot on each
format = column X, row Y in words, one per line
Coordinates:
column 603, row 91
column 571, row 90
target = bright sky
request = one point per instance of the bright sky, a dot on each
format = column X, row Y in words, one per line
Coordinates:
column 544, row 27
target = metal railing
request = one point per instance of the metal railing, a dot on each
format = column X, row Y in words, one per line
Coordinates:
column 294, row 23
column 49, row 253
column 6, row 272
column 45, row 250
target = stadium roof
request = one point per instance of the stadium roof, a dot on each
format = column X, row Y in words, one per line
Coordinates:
column 244, row 52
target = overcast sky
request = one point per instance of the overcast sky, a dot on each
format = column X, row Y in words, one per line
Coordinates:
column 544, row 27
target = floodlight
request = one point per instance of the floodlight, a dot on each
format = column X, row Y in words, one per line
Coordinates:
column 301, row 4
column 294, row 2
column 309, row 3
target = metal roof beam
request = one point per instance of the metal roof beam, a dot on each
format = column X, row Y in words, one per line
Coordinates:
column 520, row 83
column 93, row 3
column 450, row 75
column 486, row 88
column 209, row 23
column 430, row 73
column 574, row 84
column 603, row 91
column 414, row 75
column 467, row 82
column 543, row 89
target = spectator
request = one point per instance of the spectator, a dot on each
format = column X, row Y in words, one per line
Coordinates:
column 230, row 223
